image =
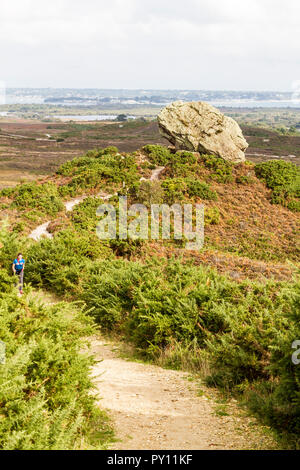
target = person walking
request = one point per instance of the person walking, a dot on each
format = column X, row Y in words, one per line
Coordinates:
column 18, row 270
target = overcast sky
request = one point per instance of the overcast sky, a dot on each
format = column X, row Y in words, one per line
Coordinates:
column 186, row 44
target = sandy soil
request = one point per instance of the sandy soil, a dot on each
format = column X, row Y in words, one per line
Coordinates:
column 40, row 231
column 158, row 409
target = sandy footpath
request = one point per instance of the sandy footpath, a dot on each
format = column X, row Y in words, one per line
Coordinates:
column 158, row 409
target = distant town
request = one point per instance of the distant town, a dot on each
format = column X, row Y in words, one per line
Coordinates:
column 107, row 97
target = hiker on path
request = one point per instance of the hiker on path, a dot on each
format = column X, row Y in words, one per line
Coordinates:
column 18, row 269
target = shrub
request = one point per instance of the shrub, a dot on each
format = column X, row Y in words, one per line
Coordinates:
column 212, row 216
column 150, row 192
column 277, row 173
column 183, row 164
column 157, row 154
column 284, row 180
column 60, row 264
column 7, row 192
column 294, row 205
column 174, row 189
column 107, row 151
column 221, row 170
column 45, row 387
column 92, row 171
column 199, row 189
column 243, row 179
column 41, row 196
column 84, row 215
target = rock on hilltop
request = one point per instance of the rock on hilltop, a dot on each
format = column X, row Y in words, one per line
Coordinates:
column 199, row 127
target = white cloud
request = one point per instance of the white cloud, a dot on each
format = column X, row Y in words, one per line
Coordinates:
column 150, row 43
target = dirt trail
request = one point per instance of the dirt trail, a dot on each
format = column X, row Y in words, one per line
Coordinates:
column 40, row 231
column 156, row 173
column 158, row 409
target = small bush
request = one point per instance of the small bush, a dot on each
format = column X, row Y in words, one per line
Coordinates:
column 150, row 192
column 284, row 180
column 199, row 189
column 243, row 179
column 294, row 206
column 92, row 171
column 221, row 171
column 157, row 154
column 212, row 216
column 277, row 173
column 174, row 189
column 40, row 196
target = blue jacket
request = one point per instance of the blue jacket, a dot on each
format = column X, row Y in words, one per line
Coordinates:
column 19, row 265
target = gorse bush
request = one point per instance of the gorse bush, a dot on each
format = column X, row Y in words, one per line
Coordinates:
column 183, row 164
column 96, row 169
column 221, row 171
column 37, row 196
column 177, row 188
column 44, row 384
column 277, row 173
column 157, row 154
column 83, row 215
column 196, row 188
column 60, row 264
column 212, row 216
column 284, row 180
column 174, row 189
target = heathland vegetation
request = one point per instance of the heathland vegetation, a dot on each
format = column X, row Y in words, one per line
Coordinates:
column 229, row 313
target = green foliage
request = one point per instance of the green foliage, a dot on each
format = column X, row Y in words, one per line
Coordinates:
column 176, row 188
column 243, row 179
column 277, row 173
column 150, row 192
column 84, row 216
column 10, row 245
column 37, row 196
column 158, row 154
column 199, row 189
column 221, row 170
column 294, row 206
column 45, row 386
column 98, row 167
column 212, row 216
column 284, row 180
column 183, row 164
column 60, row 264
column 245, row 330
column 7, row 192
column 107, row 151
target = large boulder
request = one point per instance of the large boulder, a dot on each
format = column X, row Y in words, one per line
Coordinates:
column 199, row 127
